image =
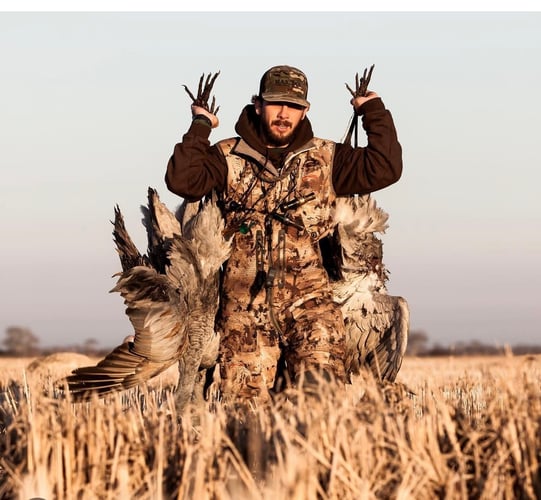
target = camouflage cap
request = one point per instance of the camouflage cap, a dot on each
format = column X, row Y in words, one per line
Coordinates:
column 284, row 84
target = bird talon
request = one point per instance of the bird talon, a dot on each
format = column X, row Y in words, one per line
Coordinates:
column 361, row 85
column 203, row 93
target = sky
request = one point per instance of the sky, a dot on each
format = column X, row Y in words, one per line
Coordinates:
column 92, row 104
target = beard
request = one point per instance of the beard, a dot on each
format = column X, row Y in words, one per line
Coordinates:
column 274, row 139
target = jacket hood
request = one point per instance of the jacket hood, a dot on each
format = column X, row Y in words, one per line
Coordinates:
column 248, row 128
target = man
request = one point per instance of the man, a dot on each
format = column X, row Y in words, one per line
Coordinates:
column 277, row 184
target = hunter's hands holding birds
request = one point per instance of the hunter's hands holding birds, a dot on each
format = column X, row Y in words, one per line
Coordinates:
column 357, row 102
column 361, row 94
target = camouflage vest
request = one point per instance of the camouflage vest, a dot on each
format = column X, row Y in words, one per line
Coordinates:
column 277, row 217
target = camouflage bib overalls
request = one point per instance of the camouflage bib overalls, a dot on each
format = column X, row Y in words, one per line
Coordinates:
column 276, row 299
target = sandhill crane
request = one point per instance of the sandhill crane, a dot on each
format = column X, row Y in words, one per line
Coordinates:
column 376, row 323
column 172, row 296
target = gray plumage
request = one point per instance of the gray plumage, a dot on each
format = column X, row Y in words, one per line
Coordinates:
column 376, row 323
column 171, row 294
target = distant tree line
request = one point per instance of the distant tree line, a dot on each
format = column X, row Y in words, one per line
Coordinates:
column 22, row 342
column 418, row 345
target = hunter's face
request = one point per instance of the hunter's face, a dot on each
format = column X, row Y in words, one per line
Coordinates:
column 279, row 120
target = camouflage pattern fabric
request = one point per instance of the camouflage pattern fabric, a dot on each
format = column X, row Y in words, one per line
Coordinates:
column 284, row 84
column 296, row 316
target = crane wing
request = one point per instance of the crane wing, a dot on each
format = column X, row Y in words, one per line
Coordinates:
column 157, row 313
column 377, row 333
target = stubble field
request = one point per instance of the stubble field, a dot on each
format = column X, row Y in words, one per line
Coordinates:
column 452, row 428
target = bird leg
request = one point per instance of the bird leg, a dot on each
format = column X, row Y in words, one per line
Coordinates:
column 361, row 86
column 203, row 93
